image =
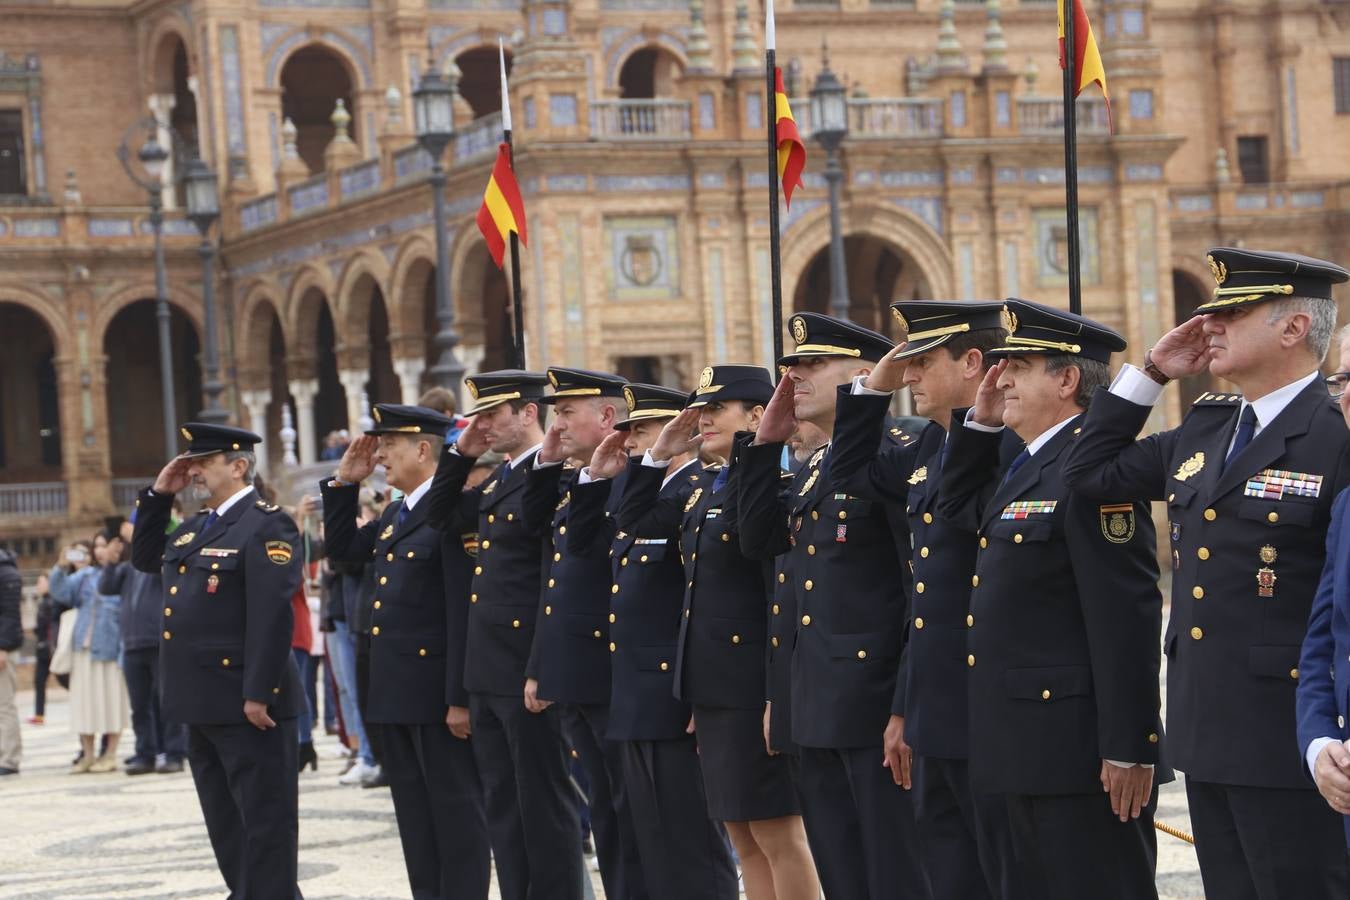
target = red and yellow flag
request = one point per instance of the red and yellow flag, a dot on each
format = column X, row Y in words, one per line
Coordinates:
column 1087, row 63
column 503, row 211
column 791, row 150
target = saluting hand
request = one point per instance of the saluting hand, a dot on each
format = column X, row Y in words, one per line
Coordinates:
column 457, row 720
column 988, row 408
column 1332, row 774
column 889, row 373
column 359, row 460
column 678, row 437
column 256, row 713
column 173, row 477
column 610, row 458
column 780, row 417
column 896, row 754
column 473, row 441
column 1182, row 351
column 551, row 450
column 1129, row 788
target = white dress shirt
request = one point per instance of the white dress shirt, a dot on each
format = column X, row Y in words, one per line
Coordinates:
column 232, row 500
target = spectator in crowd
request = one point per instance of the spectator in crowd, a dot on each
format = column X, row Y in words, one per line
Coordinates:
column 443, row 401
column 98, row 697
column 160, row 746
column 351, row 581
column 44, row 631
column 335, row 444
column 11, row 637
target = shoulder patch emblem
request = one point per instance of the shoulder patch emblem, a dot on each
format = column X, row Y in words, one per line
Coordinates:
column 1190, row 467
column 278, row 552
column 470, row 543
column 1117, row 522
column 693, row 499
column 184, row 539
column 920, row 475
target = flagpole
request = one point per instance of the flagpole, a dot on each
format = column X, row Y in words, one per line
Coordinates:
column 775, row 251
column 1071, row 155
column 517, row 307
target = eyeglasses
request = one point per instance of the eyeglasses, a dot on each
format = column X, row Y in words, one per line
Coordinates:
column 1336, row 384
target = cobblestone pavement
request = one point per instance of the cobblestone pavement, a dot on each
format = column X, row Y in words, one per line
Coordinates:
column 100, row 837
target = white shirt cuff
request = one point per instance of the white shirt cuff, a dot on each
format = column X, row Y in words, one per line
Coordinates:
column 861, row 390
column 1133, row 385
column 655, row 464
column 1127, row 765
column 584, row 476
column 1315, row 750
column 540, row 464
column 976, row 426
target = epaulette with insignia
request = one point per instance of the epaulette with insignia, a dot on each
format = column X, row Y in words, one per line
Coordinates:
column 1211, row 399
column 786, row 476
column 902, row 436
column 267, row 507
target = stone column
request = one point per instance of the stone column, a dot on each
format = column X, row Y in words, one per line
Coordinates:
column 354, row 386
column 255, row 404
column 472, row 357
column 304, row 391
column 409, row 373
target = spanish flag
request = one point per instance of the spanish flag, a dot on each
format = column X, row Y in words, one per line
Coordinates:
column 1087, row 63
column 791, row 150
column 503, row 211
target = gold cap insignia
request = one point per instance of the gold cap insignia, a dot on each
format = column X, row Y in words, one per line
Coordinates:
column 1009, row 319
column 1217, row 269
column 279, row 552
column 375, row 411
column 1268, row 554
column 629, row 398
column 186, row 434
column 900, row 320
column 799, row 329
column 706, row 379
column 473, row 388
column 1190, row 467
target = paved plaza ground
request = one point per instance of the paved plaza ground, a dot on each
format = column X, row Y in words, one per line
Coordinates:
column 100, row 837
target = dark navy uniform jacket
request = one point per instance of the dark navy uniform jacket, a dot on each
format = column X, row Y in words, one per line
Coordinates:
column 1065, row 613
column 227, row 609
column 720, row 658
column 421, row 606
column 782, row 633
column 504, row 594
column 570, row 657
column 850, row 593
column 1232, row 653
column 645, row 611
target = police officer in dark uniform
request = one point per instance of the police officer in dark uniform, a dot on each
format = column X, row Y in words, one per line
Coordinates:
column 683, row 852
column 229, row 574
column 942, row 362
column 851, row 612
column 569, row 663
column 719, row 664
column 1064, row 620
column 1249, row 478
column 417, row 696
column 531, row 807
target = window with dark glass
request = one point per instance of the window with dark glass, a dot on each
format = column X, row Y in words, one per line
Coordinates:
column 1340, row 83
column 13, row 177
column 1253, row 159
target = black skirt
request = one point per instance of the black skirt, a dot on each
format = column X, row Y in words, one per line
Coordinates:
column 743, row 782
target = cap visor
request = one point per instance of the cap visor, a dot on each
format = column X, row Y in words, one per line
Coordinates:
column 186, row 454
column 919, row 347
column 487, row 405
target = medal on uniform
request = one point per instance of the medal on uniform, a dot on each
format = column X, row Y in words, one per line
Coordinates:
column 212, row 583
column 1190, row 467
column 1265, row 576
column 840, row 533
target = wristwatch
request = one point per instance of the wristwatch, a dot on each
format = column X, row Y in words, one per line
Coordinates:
column 1152, row 371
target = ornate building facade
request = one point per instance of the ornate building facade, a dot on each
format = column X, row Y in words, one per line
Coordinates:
column 639, row 129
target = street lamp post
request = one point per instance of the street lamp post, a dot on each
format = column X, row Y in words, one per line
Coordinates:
column 829, row 123
column 203, row 208
column 152, row 156
column 434, row 115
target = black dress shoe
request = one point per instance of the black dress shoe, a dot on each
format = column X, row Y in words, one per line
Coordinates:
column 5, row 770
column 378, row 781
column 169, row 766
column 308, row 757
column 139, row 767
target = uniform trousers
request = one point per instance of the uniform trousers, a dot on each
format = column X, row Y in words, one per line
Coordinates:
column 868, row 843
column 529, row 800
column 684, row 853
column 1267, row 843
column 1073, row 846
column 616, row 848
column 248, row 785
column 956, row 826
column 438, row 801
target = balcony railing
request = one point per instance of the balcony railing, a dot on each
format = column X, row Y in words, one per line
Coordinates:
column 34, row 499
column 895, row 117
column 125, row 490
column 310, row 194
column 1256, row 199
column 479, row 137
column 1045, row 115
column 626, row 120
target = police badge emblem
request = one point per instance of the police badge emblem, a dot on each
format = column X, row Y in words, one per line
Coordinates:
column 693, row 499
column 1117, row 522
column 1190, row 467
column 799, row 329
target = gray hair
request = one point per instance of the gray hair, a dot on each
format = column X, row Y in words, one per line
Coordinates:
column 1321, row 313
column 247, row 456
column 1092, row 374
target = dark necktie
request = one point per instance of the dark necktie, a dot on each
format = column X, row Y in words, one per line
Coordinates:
column 211, row 518
column 722, row 475
column 1016, row 464
column 1245, row 430
column 402, row 513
